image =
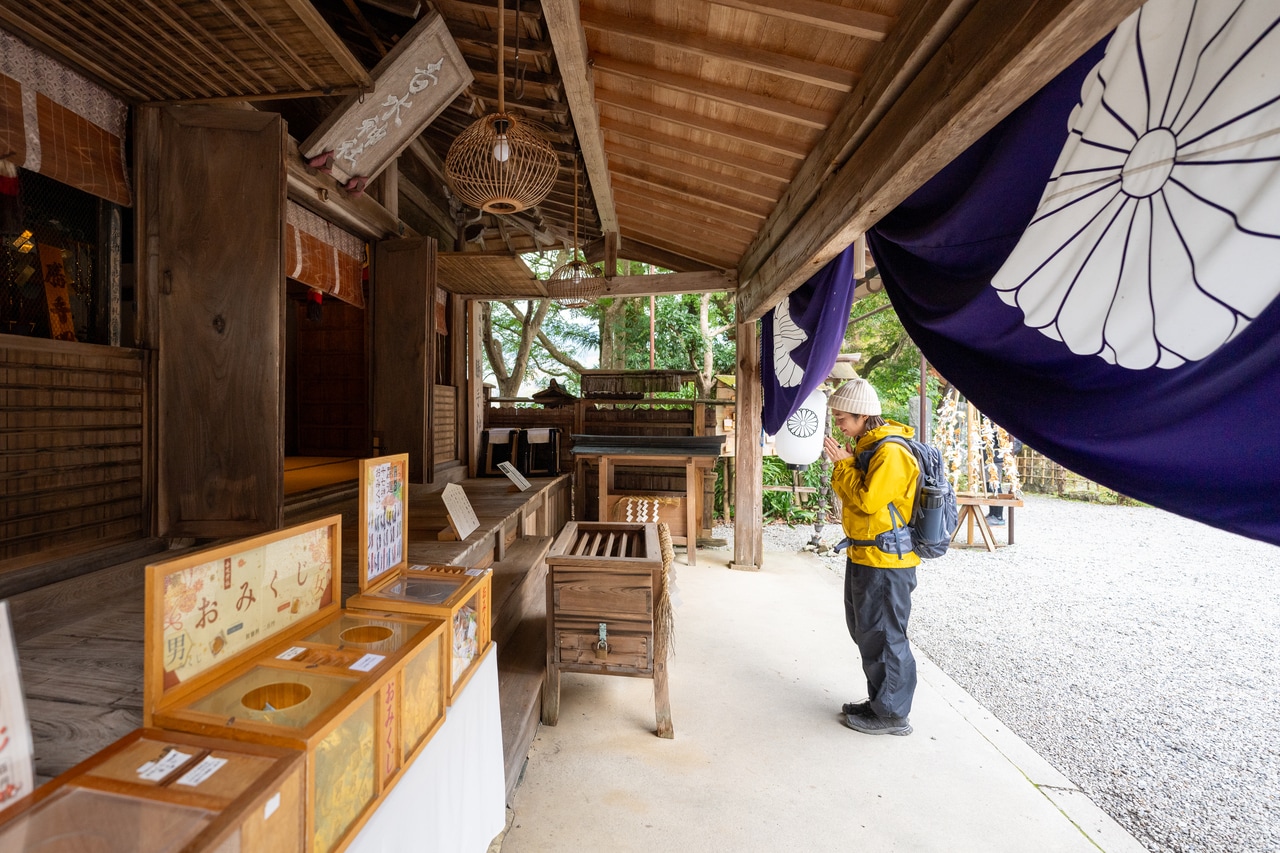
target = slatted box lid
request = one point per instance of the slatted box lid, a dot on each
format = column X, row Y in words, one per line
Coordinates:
column 617, row 544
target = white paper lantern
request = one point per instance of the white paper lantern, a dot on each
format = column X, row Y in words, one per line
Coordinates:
column 799, row 442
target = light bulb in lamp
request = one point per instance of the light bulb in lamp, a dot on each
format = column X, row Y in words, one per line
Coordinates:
column 501, row 147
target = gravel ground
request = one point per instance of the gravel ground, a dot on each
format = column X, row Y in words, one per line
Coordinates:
column 1135, row 650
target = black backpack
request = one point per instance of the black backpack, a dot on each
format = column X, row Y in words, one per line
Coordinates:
column 935, row 516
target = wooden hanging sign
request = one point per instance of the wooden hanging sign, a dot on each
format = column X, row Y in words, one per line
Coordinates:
column 412, row 85
column 462, row 518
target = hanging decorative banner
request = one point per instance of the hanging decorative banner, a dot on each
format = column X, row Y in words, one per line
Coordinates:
column 801, row 338
column 57, row 294
column 1099, row 273
column 412, row 85
column 321, row 255
column 16, row 775
column 55, row 122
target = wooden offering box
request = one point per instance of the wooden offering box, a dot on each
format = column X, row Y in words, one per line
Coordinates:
column 460, row 596
column 154, row 791
column 246, row 642
column 603, row 583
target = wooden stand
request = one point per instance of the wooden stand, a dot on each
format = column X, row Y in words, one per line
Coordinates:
column 681, row 511
column 603, row 584
column 971, row 514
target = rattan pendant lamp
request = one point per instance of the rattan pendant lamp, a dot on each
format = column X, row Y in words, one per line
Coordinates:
column 576, row 283
column 501, row 164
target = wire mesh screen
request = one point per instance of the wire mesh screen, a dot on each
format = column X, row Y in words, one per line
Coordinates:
column 49, row 265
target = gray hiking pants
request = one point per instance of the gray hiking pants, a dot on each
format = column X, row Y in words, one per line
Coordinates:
column 877, row 605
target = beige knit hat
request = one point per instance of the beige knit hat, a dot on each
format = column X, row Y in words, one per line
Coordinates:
column 856, row 397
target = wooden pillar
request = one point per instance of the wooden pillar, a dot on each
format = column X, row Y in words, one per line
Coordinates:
column 475, row 386
column 748, row 520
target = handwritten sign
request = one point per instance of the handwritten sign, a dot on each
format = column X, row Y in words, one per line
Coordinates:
column 412, row 85
column 15, row 732
column 461, row 516
column 514, row 476
column 384, row 515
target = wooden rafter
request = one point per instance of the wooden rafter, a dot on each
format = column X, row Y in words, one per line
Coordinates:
column 823, row 15
column 634, row 161
column 775, row 108
column 1001, row 52
column 795, row 145
column 565, row 30
column 689, row 148
column 736, row 53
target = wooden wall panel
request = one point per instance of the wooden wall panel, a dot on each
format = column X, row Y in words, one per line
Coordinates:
column 331, row 389
column 445, row 425
column 71, row 445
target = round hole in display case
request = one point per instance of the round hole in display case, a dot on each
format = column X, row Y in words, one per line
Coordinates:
column 365, row 635
column 276, row 696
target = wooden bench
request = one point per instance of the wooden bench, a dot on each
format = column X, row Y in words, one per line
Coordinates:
column 972, row 515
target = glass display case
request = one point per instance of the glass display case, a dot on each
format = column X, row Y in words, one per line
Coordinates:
column 458, row 595
column 155, row 792
column 359, row 693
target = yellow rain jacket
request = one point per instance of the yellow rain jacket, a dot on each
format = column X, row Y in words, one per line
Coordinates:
column 892, row 475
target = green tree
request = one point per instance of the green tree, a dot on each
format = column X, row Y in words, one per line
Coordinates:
column 890, row 359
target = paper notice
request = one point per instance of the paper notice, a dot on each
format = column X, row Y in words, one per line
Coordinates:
column 202, row 771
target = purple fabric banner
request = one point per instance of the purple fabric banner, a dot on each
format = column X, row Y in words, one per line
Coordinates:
column 801, row 338
column 1098, row 274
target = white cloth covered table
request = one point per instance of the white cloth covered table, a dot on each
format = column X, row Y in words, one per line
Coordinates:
column 452, row 799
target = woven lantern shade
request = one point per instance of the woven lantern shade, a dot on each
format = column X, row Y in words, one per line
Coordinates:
column 576, row 283
column 501, row 164
column 481, row 179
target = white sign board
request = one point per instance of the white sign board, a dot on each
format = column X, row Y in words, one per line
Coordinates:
column 461, row 515
column 411, row 86
column 514, row 476
column 16, row 776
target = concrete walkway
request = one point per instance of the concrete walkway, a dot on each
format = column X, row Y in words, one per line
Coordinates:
column 760, row 761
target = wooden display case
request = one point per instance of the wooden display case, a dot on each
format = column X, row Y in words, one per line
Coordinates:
column 246, row 641
column 154, row 791
column 461, row 597
column 604, row 580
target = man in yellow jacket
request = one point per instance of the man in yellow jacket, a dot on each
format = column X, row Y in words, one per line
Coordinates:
column 879, row 575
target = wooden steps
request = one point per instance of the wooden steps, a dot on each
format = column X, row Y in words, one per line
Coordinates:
column 519, row 629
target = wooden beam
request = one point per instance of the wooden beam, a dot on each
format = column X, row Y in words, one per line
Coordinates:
column 760, row 205
column 816, row 13
column 689, row 148
column 422, row 201
column 683, row 232
column 407, row 8
column 610, row 254
column 795, row 145
column 570, row 42
column 637, row 250
column 917, row 37
column 777, row 108
column 648, row 163
column 661, row 284
column 674, row 210
column 699, row 44
column 322, row 194
column 703, row 252
column 708, row 204
column 748, row 463
column 1001, row 53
